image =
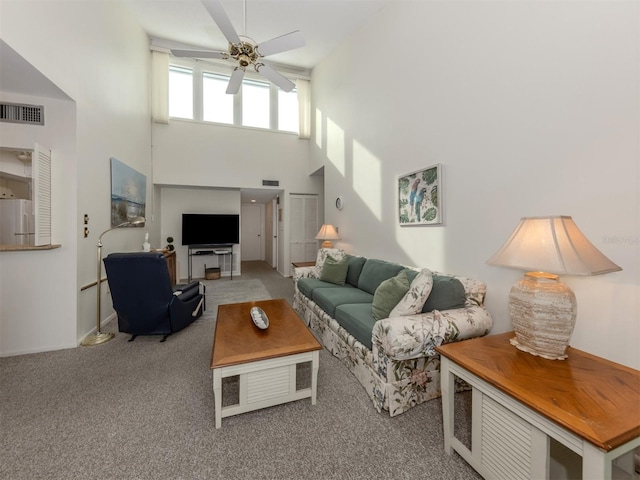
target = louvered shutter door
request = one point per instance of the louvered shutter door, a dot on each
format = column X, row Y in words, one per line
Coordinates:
column 41, row 172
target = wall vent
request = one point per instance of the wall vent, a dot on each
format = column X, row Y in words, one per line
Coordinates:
column 271, row 183
column 22, row 113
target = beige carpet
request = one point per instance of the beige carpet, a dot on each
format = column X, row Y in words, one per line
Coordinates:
column 219, row 292
column 144, row 410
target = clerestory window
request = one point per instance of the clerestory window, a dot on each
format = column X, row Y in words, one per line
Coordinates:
column 199, row 94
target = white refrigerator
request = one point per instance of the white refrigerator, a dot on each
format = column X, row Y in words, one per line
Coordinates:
column 17, row 222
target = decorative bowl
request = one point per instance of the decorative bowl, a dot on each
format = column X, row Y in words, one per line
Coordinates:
column 259, row 318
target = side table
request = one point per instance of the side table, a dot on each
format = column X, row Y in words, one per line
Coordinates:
column 303, row 264
column 170, row 256
column 519, row 402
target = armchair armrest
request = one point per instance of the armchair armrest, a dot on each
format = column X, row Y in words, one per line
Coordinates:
column 187, row 300
column 186, row 292
column 413, row 336
column 305, row 272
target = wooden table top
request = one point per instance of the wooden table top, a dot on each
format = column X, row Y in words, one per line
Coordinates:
column 303, row 264
column 594, row 398
column 237, row 340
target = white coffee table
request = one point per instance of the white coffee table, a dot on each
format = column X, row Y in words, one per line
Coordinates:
column 264, row 360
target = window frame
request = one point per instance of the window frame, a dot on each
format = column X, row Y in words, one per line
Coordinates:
column 200, row 68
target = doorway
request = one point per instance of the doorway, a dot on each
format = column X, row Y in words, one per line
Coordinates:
column 252, row 232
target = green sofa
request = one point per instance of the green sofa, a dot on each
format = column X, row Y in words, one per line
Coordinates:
column 394, row 357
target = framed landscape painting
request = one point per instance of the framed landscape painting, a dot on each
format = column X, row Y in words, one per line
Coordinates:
column 128, row 193
column 420, row 197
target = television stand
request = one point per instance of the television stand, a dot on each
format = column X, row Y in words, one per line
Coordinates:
column 218, row 250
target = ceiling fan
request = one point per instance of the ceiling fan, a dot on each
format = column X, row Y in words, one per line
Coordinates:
column 245, row 51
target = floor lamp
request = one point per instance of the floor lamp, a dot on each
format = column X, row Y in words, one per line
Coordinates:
column 100, row 337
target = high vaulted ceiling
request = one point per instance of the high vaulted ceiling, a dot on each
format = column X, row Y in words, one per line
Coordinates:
column 324, row 23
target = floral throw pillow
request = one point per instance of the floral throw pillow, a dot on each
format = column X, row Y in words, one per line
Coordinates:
column 418, row 293
column 323, row 253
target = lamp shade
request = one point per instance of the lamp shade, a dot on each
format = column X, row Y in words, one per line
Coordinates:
column 552, row 244
column 327, row 232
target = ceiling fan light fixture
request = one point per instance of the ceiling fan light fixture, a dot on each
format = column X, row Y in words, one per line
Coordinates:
column 245, row 50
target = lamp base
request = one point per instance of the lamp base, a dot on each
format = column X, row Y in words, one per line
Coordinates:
column 327, row 244
column 543, row 314
column 97, row 339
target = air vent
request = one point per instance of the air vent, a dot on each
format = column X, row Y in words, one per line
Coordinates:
column 271, row 183
column 22, row 113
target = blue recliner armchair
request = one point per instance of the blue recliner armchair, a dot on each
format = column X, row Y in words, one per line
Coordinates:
column 144, row 299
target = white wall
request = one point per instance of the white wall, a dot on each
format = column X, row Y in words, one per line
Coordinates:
column 37, row 289
column 532, row 108
column 189, row 153
column 176, row 201
column 98, row 55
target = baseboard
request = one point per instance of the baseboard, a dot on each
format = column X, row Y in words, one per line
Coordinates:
column 50, row 348
column 104, row 322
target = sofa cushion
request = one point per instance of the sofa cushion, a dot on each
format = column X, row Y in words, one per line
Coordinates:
column 355, row 268
column 329, row 298
column 388, row 294
column 414, row 299
column 411, row 274
column 308, row 285
column 374, row 272
column 447, row 293
column 357, row 319
column 334, row 270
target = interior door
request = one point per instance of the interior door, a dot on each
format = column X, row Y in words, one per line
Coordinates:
column 303, row 246
column 251, row 228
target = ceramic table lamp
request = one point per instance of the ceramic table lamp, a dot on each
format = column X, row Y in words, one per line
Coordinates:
column 542, row 308
column 327, row 233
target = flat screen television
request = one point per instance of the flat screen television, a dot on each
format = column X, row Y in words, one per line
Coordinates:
column 210, row 229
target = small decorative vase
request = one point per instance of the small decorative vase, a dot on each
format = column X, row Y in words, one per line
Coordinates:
column 543, row 313
column 146, row 246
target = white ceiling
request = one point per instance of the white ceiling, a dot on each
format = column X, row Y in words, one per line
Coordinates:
column 324, row 23
column 19, row 76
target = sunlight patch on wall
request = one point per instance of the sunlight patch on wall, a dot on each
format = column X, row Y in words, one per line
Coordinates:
column 367, row 178
column 335, row 146
column 319, row 128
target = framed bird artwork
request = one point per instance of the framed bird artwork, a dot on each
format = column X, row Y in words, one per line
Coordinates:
column 420, row 197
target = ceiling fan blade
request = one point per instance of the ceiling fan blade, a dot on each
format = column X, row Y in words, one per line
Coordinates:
column 235, row 81
column 215, row 9
column 199, row 54
column 282, row 44
column 274, row 77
